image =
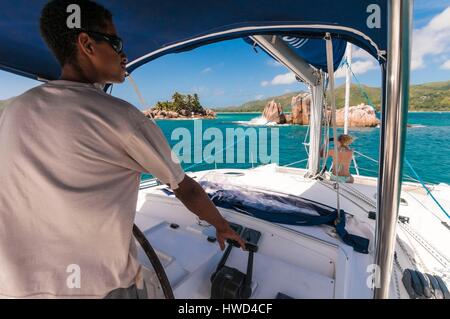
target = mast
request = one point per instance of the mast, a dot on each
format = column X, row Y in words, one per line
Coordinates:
column 392, row 139
column 348, row 83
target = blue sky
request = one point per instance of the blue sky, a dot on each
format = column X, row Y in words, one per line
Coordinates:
column 231, row 73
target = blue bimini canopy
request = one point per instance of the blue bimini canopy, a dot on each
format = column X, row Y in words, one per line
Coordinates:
column 153, row 28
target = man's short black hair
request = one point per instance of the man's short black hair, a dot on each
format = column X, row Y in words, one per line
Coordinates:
column 56, row 33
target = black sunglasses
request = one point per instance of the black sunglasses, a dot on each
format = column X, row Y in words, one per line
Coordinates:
column 114, row 41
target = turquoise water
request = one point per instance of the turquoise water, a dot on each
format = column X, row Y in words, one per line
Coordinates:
column 427, row 144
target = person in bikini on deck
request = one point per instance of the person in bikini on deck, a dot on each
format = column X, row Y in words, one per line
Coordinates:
column 341, row 171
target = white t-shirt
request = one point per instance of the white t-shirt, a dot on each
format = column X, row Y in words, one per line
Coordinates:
column 70, row 163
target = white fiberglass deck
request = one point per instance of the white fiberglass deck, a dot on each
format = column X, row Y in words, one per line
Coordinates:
column 302, row 262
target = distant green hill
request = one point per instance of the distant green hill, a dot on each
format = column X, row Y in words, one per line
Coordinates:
column 258, row 105
column 357, row 95
column 434, row 96
column 424, row 97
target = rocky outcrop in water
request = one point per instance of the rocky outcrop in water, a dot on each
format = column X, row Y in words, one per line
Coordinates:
column 300, row 109
column 273, row 112
column 358, row 116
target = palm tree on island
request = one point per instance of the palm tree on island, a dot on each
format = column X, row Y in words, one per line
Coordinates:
column 180, row 106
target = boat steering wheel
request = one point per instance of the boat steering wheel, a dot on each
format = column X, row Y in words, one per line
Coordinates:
column 154, row 260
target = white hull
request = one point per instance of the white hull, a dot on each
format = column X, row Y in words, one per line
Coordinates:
column 302, row 262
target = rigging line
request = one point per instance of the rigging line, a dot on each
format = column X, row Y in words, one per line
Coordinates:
column 414, row 263
column 305, row 139
column 369, row 158
column 330, row 60
column 356, row 165
column 354, row 192
column 368, row 170
column 426, row 188
column 375, row 161
column 433, row 251
column 417, row 255
column 424, row 207
column 366, row 96
column 418, row 179
column 396, row 282
column 326, row 133
column 361, row 196
column 140, row 97
column 330, row 186
column 363, row 92
column 297, row 162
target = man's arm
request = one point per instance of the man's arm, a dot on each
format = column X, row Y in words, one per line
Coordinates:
column 148, row 147
column 192, row 195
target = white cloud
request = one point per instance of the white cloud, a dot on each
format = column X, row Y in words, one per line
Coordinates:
column 273, row 63
column 430, row 4
column 206, row 70
column 259, row 97
column 360, row 54
column 358, row 67
column 340, row 73
column 281, row 79
column 446, row 65
column 433, row 39
column 362, row 62
column 439, row 59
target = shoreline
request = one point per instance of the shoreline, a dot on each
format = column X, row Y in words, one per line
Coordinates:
column 237, row 112
column 185, row 118
column 218, row 112
column 428, row 111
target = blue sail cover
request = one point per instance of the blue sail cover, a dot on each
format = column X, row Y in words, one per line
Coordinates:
column 152, row 28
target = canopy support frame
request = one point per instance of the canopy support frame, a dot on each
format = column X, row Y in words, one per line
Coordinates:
column 281, row 51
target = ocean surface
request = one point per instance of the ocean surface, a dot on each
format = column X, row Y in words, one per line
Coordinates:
column 427, row 144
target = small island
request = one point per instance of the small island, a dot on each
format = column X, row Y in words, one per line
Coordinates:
column 180, row 107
